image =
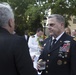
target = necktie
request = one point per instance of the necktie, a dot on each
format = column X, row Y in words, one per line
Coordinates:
column 53, row 42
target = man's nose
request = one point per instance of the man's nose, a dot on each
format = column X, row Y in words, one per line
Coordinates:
column 49, row 27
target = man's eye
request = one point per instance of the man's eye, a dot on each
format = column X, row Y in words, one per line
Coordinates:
column 51, row 24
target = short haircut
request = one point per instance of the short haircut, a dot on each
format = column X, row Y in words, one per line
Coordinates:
column 58, row 17
column 6, row 13
column 39, row 29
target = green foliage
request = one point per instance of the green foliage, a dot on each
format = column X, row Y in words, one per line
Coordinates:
column 33, row 17
column 29, row 16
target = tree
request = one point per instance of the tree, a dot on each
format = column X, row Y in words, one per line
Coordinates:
column 29, row 15
column 19, row 7
column 63, row 7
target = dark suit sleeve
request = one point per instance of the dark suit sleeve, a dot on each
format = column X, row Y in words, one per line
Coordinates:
column 73, row 59
column 22, row 58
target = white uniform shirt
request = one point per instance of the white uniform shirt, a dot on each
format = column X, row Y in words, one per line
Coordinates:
column 34, row 48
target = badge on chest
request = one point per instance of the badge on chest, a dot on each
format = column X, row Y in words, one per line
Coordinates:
column 63, row 53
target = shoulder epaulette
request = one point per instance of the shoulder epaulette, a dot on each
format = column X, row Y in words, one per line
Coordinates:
column 32, row 36
column 74, row 38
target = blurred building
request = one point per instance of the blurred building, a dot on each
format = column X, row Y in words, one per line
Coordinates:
column 72, row 23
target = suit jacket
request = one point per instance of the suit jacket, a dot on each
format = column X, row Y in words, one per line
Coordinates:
column 14, row 55
column 61, row 59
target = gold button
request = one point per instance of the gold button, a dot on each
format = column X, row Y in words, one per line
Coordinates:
column 47, row 66
column 46, row 71
column 47, row 60
column 48, row 54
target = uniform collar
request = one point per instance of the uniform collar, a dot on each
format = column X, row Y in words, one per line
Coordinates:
column 36, row 35
column 59, row 36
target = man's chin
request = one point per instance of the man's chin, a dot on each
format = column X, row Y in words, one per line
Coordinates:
column 51, row 34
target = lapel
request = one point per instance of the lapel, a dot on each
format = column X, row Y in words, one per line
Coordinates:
column 58, row 43
column 48, row 44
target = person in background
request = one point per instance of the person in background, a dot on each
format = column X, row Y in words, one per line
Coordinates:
column 68, row 31
column 74, row 34
column 60, row 50
column 14, row 55
column 34, row 46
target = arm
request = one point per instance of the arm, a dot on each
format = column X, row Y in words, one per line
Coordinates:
column 73, row 59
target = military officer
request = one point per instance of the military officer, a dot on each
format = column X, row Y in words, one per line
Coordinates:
column 61, row 58
column 34, row 48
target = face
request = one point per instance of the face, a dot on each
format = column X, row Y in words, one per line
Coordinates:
column 55, row 27
column 40, row 33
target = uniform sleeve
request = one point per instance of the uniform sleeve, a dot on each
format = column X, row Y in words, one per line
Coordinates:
column 73, row 59
column 31, row 45
column 22, row 58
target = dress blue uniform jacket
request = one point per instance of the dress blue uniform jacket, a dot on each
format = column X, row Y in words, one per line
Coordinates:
column 14, row 55
column 61, row 59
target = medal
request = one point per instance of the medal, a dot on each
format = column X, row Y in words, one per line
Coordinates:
column 60, row 55
column 65, row 55
column 67, row 50
column 59, row 62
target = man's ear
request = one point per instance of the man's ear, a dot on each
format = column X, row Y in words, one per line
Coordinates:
column 62, row 24
column 10, row 22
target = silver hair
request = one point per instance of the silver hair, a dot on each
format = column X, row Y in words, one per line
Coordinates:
column 6, row 13
column 58, row 17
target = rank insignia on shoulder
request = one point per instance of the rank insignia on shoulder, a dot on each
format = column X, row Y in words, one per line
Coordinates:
column 33, row 36
column 74, row 38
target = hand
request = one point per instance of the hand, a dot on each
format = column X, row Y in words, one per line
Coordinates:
column 33, row 57
column 41, row 47
column 38, row 66
column 41, row 65
column 38, row 63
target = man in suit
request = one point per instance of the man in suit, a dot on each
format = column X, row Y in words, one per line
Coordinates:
column 61, row 57
column 14, row 54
